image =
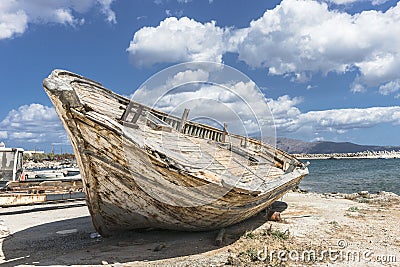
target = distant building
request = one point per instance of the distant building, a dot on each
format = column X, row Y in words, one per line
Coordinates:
column 30, row 153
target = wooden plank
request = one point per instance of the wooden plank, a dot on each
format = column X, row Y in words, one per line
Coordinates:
column 18, row 199
column 183, row 120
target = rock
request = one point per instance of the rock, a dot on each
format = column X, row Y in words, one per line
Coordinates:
column 95, row 235
column 4, row 231
column 275, row 216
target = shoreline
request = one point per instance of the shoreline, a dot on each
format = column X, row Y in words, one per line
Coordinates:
column 358, row 155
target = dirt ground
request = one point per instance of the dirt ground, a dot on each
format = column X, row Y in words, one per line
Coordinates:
column 316, row 230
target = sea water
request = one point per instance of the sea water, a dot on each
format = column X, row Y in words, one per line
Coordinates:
column 353, row 175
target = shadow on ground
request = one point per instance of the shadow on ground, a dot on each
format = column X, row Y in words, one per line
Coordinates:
column 73, row 241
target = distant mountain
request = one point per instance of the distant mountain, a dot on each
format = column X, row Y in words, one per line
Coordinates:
column 294, row 146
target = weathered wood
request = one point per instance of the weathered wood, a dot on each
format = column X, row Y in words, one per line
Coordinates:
column 156, row 124
column 141, row 177
column 220, row 237
column 225, row 132
column 184, row 119
column 38, row 195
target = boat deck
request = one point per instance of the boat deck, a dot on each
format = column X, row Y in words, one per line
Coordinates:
column 213, row 161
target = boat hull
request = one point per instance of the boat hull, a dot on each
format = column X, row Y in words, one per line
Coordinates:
column 117, row 175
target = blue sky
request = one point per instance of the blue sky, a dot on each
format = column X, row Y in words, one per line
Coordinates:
column 328, row 69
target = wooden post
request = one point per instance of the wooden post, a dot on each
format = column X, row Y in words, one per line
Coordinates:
column 137, row 114
column 132, row 122
column 183, row 120
column 220, row 237
column 225, row 132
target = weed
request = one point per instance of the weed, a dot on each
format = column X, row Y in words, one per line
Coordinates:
column 279, row 234
column 353, row 209
column 249, row 235
column 363, row 200
column 276, row 233
column 251, row 253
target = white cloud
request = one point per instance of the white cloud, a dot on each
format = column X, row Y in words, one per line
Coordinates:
column 390, row 87
column 16, row 15
column 357, row 87
column 192, row 41
column 346, row 2
column 378, row 2
column 33, row 123
column 106, row 9
column 186, row 77
column 289, row 119
column 345, row 119
column 300, row 37
column 65, row 17
column 141, row 17
column 342, row 2
column 156, row 95
column 12, row 23
column 3, row 135
column 296, row 39
column 284, row 106
column 177, row 13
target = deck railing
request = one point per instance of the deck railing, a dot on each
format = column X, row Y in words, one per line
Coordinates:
column 204, row 131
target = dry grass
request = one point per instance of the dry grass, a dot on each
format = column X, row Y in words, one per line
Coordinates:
column 254, row 248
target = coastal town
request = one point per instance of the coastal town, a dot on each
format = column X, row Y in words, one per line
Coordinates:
column 358, row 155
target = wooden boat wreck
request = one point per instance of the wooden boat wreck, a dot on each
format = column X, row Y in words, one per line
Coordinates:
column 16, row 188
column 143, row 168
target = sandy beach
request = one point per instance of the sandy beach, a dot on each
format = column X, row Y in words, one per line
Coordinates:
column 316, row 230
